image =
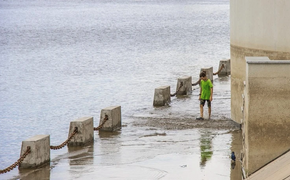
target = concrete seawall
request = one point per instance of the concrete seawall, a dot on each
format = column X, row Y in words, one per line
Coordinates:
column 258, row 28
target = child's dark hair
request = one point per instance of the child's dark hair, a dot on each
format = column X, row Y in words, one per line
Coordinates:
column 202, row 74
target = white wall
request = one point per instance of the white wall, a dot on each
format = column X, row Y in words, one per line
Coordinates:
column 260, row 24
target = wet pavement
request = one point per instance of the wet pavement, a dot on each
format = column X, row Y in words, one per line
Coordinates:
column 157, row 154
column 147, row 152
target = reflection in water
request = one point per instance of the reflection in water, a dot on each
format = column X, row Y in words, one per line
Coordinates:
column 109, row 150
column 43, row 172
column 106, row 134
column 205, row 147
column 80, row 155
column 236, row 146
column 233, row 165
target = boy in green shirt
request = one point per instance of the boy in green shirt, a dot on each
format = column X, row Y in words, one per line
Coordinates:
column 206, row 91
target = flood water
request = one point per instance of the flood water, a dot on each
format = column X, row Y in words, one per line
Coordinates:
column 63, row 60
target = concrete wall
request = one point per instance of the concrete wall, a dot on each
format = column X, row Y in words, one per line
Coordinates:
column 258, row 28
column 266, row 114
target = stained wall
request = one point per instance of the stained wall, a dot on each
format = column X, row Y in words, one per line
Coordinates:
column 258, row 28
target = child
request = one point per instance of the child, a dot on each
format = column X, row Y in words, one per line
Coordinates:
column 206, row 91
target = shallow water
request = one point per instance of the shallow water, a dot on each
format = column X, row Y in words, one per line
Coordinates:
column 62, row 60
column 147, row 153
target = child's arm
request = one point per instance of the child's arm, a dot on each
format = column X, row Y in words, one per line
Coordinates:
column 200, row 93
column 211, row 92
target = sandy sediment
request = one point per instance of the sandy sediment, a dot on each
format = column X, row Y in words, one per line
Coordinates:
column 185, row 123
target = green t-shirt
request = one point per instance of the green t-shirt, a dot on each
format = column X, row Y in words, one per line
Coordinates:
column 206, row 89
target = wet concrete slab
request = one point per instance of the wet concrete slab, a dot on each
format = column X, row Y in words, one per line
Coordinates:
column 148, row 153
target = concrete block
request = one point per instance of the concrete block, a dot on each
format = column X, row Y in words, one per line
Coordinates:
column 114, row 118
column 209, row 72
column 162, row 96
column 227, row 67
column 85, row 133
column 186, row 89
column 40, row 151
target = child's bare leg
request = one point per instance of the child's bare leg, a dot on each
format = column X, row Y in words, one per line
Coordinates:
column 201, row 111
column 209, row 112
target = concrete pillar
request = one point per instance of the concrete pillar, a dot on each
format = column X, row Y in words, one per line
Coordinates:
column 162, row 96
column 114, row 118
column 257, row 28
column 186, row 88
column 266, row 112
column 40, row 151
column 85, row 133
column 227, row 68
column 209, row 72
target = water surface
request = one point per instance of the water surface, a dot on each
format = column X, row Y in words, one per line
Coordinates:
column 62, row 60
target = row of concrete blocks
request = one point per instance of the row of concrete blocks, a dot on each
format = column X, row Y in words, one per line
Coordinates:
column 40, row 144
column 162, row 94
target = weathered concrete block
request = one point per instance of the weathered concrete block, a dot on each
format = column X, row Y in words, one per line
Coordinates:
column 114, row 118
column 186, row 88
column 227, row 67
column 40, row 151
column 162, row 96
column 209, row 73
column 85, row 133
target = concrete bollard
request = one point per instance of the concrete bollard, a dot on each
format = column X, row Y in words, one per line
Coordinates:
column 209, row 73
column 186, row 89
column 227, row 67
column 85, row 132
column 40, row 151
column 162, row 96
column 114, row 118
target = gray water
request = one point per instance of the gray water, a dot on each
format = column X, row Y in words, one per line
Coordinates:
column 62, row 60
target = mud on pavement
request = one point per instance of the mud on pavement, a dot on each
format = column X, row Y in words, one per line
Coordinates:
column 185, row 123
